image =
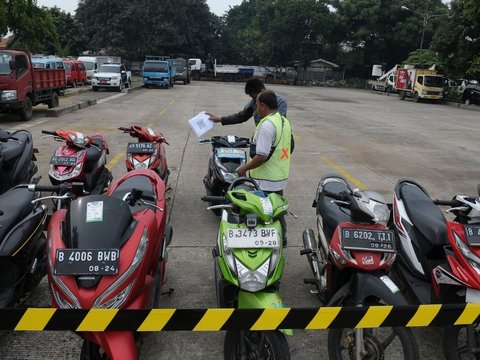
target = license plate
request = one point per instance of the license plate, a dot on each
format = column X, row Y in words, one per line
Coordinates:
column 231, row 153
column 252, row 238
column 63, row 161
column 103, row 81
column 86, row 262
column 141, row 148
column 473, row 234
column 368, row 240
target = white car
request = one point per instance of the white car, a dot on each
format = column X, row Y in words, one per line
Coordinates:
column 113, row 76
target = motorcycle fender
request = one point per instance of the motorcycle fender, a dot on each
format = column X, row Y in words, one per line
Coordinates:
column 117, row 344
column 262, row 300
column 364, row 285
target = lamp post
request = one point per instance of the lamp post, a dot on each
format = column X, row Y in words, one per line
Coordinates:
column 426, row 17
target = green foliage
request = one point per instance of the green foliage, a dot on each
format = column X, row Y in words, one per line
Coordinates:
column 458, row 39
column 423, row 58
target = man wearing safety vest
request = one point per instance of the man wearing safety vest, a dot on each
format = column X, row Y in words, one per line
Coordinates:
column 270, row 149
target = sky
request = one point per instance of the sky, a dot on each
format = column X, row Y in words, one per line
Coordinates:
column 218, row 7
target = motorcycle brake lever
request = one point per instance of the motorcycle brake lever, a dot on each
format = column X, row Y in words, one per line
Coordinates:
column 221, row 206
column 58, row 197
column 459, row 208
column 143, row 202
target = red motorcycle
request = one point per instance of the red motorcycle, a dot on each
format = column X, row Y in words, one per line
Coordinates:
column 148, row 152
column 109, row 251
column 438, row 259
column 350, row 265
column 83, row 159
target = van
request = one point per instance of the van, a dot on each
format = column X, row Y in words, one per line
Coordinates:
column 91, row 65
column 76, row 72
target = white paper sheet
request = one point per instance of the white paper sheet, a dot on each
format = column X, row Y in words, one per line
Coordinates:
column 201, row 123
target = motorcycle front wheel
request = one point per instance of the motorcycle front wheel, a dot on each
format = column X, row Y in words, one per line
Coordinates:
column 91, row 351
column 261, row 345
column 462, row 342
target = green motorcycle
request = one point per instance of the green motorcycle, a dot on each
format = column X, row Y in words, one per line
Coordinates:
column 249, row 264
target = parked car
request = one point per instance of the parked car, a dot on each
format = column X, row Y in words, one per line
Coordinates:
column 471, row 94
column 112, row 76
column 183, row 70
column 76, row 72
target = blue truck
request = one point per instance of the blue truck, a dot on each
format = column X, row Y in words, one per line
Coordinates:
column 158, row 71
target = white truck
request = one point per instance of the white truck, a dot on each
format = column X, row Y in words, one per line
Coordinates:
column 112, row 76
column 385, row 81
column 210, row 70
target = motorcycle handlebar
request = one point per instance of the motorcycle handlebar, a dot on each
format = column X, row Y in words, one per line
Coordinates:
column 150, row 198
column 45, row 188
column 49, row 132
column 451, row 203
column 215, row 199
column 335, row 196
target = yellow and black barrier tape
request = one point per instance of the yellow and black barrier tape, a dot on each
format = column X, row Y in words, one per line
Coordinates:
column 44, row 319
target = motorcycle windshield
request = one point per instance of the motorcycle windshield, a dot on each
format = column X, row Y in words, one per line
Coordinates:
column 98, row 222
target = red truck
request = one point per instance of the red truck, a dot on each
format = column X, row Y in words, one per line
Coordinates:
column 22, row 86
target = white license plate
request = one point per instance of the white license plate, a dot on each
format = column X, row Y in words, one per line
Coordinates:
column 252, row 238
column 472, row 296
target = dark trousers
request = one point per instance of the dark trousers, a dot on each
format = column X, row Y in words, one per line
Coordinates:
column 283, row 223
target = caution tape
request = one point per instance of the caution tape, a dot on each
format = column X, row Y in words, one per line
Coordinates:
column 44, row 319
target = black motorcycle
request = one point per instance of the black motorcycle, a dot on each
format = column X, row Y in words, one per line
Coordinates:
column 228, row 154
column 23, row 247
column 16, row 159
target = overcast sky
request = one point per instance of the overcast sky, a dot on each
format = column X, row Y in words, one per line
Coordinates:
column 218, row 7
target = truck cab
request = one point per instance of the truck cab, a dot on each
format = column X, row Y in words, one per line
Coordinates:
column 158, row 71
column 183, row 70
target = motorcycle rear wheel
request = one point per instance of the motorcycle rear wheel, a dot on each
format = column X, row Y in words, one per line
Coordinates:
column 275, row 345
column 91, row 351
column 456, row 343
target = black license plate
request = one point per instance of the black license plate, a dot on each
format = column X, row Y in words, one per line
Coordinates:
column 63, row 160
column 141, row 148
column 368, row 240
column 86, row 262
column 473, row 234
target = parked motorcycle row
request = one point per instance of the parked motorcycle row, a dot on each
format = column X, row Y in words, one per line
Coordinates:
column 106, row 244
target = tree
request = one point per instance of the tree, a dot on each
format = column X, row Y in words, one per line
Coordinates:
column 458, row 40
column 423, row 58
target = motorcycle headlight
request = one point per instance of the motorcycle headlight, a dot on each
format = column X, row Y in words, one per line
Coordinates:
column 9, row 95
column 229, row 255
column 252, row 280
column 62, row 177
column 228, row 176
column 118, row 300
column 465, row 250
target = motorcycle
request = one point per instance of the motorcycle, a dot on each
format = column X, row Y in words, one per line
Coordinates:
column 438, row 259
column 109, row 251
column 350, row 264
column 248, row 264
column 23, row 260
column 82, row 159
column 17, row 156
column 228, row 154
column 148, row 152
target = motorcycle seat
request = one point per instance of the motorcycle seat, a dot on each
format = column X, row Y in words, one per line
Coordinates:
column 14, row 205
column 429, row 222
column 14, row 148
column 94, row 152
column 331, row 213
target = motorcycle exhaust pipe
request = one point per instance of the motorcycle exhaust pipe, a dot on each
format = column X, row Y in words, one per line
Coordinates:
column 309, row 240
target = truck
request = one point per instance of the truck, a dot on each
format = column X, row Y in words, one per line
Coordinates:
column 158, row 71
column 385, row 81
column 23, row 86
column 210, row 70
column 183, row 70
column 419, row 84
column 93, row 63
column 112, row 76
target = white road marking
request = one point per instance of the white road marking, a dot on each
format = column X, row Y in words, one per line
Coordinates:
column 110, row 98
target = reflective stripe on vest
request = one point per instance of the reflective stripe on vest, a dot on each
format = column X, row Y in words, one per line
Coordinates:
column 277, row 168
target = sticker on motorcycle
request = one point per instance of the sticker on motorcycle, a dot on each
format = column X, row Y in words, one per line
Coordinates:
column 390, row 284
column 367, row 260
column 267, row 206
column 94, row 211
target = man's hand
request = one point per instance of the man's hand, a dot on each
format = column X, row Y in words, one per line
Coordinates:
column 241, row 171
column 215, row 118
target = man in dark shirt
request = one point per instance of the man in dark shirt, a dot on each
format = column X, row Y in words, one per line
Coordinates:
column 253, row 87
